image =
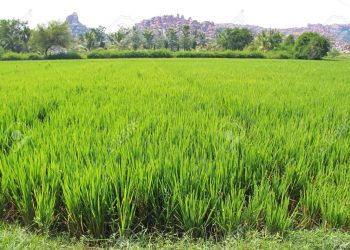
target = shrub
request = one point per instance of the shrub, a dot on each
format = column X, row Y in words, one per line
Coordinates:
column 2, row 51
column 33, row 56
column 280, row 54
column 220, row 54
column 334, row 53
column 68, row 55
column 11, row 56
column 130, row 54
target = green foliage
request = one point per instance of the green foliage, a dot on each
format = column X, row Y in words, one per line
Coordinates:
column 333, row 53
column 185, row 38
column 235, row 39
column 96, row 37
column 172, row 40
column 16, row 237
column 269, row 40
column 68, row 55
column 289, row 41
column 168, row 54
column 219, row 54
column 149, row 37
column 2, row 51
column 11, row 56
column 136, row 39
column 280, row 54
column 311, row 46
column 130, row 54
column 99, row 36
column 14, row 35
column 53, row 34
column 117, row 38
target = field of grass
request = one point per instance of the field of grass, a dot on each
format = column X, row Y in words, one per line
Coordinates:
column 16, row 237
column 204, row 147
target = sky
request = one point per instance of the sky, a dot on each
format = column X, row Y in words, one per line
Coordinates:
column 112, row 13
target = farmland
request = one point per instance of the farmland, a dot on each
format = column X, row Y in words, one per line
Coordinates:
column 205, row 147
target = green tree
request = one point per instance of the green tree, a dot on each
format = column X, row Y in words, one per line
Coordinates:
column 311, row 46
column 90, row 40
column 269, row 40
column 53, row 34
column 202, row 40
column 100, row 36
column 149, row 39
column 160, row 42
column 173, row 40
column 185, row 38
column 289, row 41
column 136, row 38
column 116, row 38
column 14, row 35
column 235, row 39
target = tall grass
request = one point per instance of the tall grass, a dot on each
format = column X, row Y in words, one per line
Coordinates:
column 203, row 147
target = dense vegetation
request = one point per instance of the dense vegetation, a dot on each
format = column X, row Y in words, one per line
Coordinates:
column 207, row 147
column 55, row 38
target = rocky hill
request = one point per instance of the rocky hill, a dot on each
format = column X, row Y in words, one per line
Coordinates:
column 338, row 33
column 76, row 27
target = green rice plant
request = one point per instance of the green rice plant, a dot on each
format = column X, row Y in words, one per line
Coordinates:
column 229, row 213
column 73, row 203
column 123, row 201
column 208, row 148
column 194, row 213
column 86, row 195
column 21, row 179
column 277, row 217
column 46, row 196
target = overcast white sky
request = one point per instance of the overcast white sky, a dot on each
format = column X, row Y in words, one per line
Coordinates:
column 112, row 13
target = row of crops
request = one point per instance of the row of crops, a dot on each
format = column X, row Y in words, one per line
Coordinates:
column 208, row 147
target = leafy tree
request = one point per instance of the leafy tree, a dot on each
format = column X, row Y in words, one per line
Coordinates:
column 269, row 40
column 53, row 34
column 14, row 35
column 289, row 41
column 149, row 37
column 160, row 42
column 202, row 40
column 235, row 39
column 116, row 39
column 99, row 36
column 136, row 38
column 90, row 40
column 173, row 40
column 312, row 46
column 185, row 38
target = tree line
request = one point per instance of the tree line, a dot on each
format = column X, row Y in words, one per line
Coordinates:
column 16, row 36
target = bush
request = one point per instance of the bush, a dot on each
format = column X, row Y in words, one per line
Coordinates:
column 311, row 46
column 220, row 54
column 33, row 56
column 130, row 54
column 68, row 55
column 169, row 54
column 334, row 53
column 2, row 51
column 280, row 54
column 11, row 56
